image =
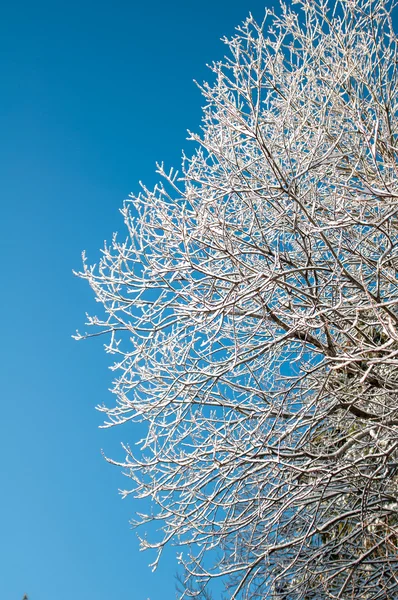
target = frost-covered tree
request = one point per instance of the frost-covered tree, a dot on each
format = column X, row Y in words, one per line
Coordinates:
column 252, row 312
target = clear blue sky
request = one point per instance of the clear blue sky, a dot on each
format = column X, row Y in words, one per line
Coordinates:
column 92, row 94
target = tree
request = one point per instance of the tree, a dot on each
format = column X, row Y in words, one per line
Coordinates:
column 252, row 311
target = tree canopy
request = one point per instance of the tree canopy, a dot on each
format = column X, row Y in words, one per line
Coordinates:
column 252, row 313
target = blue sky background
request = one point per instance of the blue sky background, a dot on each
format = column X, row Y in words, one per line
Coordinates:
column 92, row 94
